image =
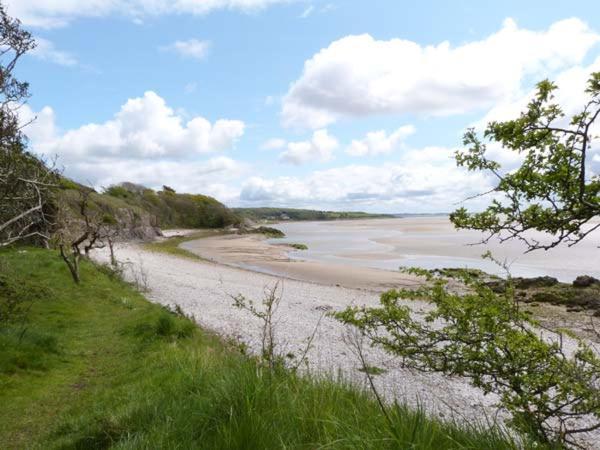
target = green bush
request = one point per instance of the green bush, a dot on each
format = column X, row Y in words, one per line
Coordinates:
column 25, row 349
column 551, row 394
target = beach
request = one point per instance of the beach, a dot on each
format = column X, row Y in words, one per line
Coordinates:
column 205, row 288
column 368, row 253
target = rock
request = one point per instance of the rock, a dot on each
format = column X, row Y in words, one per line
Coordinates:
column 323, row 308
column 596, row 313
column 536, row 282
column 585, row 281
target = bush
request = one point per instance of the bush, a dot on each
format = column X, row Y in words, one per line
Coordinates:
column 24, row 349
column 551, row 393
column 165, row 325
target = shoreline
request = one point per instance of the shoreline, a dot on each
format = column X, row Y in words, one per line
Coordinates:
column 259, row 257
column 253, row 253
column 204, row 290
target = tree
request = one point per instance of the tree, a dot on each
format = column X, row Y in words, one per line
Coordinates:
column 26, row 183
column 84, row 230
column 553, row 190
column 552, row 393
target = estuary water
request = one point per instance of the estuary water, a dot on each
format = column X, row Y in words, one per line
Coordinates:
column 432, row 242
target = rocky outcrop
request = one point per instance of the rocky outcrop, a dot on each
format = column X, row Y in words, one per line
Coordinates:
column 137, row 225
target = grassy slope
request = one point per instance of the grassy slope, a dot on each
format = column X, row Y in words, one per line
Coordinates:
column 99, row 367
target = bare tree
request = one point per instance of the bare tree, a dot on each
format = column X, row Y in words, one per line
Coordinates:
column 82, row 231
column 26, row 183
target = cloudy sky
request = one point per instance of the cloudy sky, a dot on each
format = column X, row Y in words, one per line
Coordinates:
column 331, row 104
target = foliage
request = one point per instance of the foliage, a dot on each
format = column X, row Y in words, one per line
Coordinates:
column 278, row 214
column 484, row 336
column 269, row 232
column 16, row 295
column 299, row 246
column 26, row 183
column 171, row 245
column 175, row 210
column 102, row 385
column 552, row 191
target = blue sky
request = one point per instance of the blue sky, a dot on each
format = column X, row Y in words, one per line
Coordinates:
column 326, row 104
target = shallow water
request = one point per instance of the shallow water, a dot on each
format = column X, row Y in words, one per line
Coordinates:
column 432, row 242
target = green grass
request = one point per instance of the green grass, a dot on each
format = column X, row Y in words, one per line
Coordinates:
column 100, row 367
column 171, row 245
column 299, row 246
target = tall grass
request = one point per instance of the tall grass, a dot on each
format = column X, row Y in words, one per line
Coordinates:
column 125, row 373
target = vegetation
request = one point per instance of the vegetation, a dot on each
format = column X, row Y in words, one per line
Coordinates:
column 171, row 245
column 100, row 367
column 279, row 214
column 25, row 182
column 173, row 210
column 552, row 191
column 299, row 246
column 269, row 232
column 484, row 336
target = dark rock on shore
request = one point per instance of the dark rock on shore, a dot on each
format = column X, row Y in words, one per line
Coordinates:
column 536, row 282
column 585, row 281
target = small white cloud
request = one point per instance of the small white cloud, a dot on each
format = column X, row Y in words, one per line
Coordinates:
column 270, row 100
column 190, row 88
column 273, row 144
column 307, row 12
column 379, row 142
column 192, row 48
column 47, row 51
column 319, row 148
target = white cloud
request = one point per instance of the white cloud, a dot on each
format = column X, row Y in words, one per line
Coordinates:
column 307, row 12
column 273, row 144
column 58, row 13
column 212, row 176
column 47, row 51
column 379, row 142
column 319, row 148
column 145, row 142
column 191, row 87
column 423, row 180
column 145, row 127
column 358, row 75
column 192, row 48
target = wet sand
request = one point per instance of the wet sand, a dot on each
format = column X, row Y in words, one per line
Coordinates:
column 254, row 252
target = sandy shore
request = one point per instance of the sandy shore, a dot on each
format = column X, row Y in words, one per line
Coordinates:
column 255, row 253
column 204, row 290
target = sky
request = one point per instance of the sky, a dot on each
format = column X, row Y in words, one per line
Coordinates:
column 328, row 104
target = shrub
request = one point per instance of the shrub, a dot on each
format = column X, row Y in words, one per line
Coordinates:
column 552, row 394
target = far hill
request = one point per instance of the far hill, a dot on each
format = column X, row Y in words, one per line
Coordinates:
column 279, row 214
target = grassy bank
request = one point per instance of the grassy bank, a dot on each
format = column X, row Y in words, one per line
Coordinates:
column 171, row 245
column 98, row 366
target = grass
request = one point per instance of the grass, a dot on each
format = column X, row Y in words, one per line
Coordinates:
column 100, row 367
column 299, row 246
column 171, row 245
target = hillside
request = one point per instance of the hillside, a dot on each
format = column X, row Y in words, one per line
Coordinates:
column 278, row 214
column 142, row 211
